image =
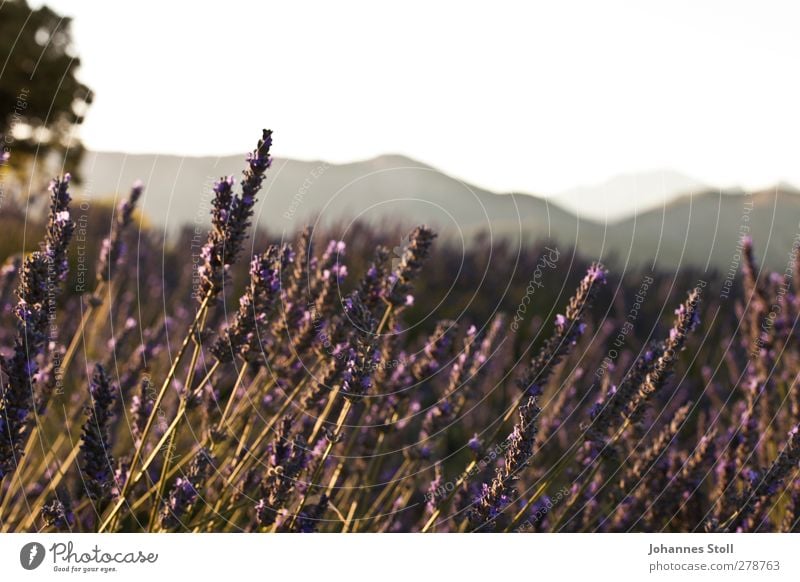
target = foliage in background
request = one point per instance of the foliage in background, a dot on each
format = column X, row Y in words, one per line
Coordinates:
column 41, row 98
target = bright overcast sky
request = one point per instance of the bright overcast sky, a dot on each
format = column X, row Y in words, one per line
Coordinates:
column 511, row 96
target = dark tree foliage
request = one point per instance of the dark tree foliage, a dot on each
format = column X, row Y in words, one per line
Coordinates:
column 41, row 100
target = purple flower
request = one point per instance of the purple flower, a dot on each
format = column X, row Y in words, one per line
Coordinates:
column 443, row 413
column 230, row 218
column 569, row 327
column 362, row 355
column 256, row 306
column 97, row 465
column 59, row 229
column 287, row 458
column 474, row 444
column 370, row 288
column 111, row 253
column 21, row 368
column 398, row 286
column 308, row 520
column 658, row 372
column 437, row 350
column 57, row 513
column 766, row 484
column 185, row 491
column 498, row 493
column 141, row 408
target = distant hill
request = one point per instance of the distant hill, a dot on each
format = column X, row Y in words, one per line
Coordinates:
column 388, row 187
column 697, row 229
column 704, row 229
column 627, row 194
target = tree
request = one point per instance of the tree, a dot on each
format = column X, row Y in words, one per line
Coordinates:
column 41, row 100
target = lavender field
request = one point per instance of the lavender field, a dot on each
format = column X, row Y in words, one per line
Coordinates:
column 364, row 379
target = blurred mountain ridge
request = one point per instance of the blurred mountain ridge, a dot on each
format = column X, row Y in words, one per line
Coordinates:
column 683, row 222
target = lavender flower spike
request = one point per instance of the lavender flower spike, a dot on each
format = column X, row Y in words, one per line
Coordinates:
column 21, row 369
column 97, row 464
column 568, row 329
column 58, row 513
column 447, row 408
column 768, row 484
column 371, row 285
column 364, row 358
column 398, row 285
column 230, row 219
column 436, row 351
column 500, row 492
column 141, row 408
column 287, row 459
column 686, row 320
column 60, row 228
column 185, row 491
column 112, row 251
column 256, row 306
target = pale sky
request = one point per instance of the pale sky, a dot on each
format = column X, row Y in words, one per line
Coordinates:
column 534, row 97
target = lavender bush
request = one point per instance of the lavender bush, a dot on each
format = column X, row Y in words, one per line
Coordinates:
column 355, row 389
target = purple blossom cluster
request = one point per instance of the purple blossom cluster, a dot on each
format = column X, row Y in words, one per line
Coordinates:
column 231, row 218
column 113, row 249
column 185, row 491
column 335, row 386
column 97, row 462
